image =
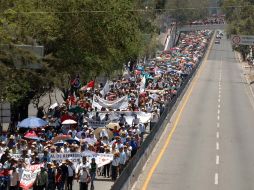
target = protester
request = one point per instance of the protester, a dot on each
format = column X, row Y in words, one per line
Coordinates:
column 41, row 180
column 71, row 174
column 93, row 169
column 51, row 177
column 107, row 124
column 59, row 179
column 122, row 159
column 84, row 178
column 114, row 166
column 14, row 179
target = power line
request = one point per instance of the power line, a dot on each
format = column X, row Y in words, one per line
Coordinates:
column 130, row 10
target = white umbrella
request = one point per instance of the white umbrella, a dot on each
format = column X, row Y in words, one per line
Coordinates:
column 69, row 122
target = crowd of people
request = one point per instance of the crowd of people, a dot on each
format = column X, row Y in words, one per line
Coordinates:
column 110, row 119
column 216, row 19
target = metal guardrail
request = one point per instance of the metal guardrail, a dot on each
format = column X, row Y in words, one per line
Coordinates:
column 134, row 166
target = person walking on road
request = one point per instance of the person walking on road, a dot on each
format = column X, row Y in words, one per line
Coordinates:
column 71, row 174
column 14, row 179
column 93, row 169
column 83, row 178
column 122, row 159
column 114, row 166
column 41, row 180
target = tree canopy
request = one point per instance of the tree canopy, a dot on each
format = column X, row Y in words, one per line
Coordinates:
column 184, row 11
column 239, row 16
column 84, row 37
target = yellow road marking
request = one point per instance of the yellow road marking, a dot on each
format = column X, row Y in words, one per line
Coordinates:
column 178, row 117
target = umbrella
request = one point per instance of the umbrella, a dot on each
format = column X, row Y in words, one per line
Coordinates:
column 103, row 131
column 59, row 143
column 61, row 137
column 31, row 135
column 75, row 140
column 69, row 122
column 32, row 122
column 112, row 126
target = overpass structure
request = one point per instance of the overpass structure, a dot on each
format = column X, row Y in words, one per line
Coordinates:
column 201, row 27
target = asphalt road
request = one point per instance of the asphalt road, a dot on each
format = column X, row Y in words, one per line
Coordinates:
column 212, row 145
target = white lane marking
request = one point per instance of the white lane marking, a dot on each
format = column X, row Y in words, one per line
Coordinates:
column 217, row 159
column 218, row 111
column 216, row 179
column 217, row 135
column 218, row 117
column 218, row 125
column 217, row 146
column 219, row 100
column 218, row 106
column 219, row 95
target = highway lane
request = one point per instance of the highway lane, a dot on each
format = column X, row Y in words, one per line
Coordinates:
column 211, row 147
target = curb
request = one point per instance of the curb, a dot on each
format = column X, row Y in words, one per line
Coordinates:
column 238, row 56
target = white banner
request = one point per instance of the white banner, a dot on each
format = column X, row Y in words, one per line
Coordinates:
column 101, row 159
column 105, row 89
column 156, row 91
column 29, row 175
column 121, row 103
column 129, row 115
column 96, row 124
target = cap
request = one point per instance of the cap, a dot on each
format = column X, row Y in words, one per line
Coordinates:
column 11, row 137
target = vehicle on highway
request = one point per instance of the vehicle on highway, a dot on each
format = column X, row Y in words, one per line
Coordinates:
column 218, row 36
column 217, row 41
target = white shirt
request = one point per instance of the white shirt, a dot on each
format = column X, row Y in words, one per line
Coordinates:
column 80, row 166
column 135, row 121
column 70, row 171
column 141, row 127
column 115, row 162
column 128, row 154
column 122, row 158
column 20, row 172
column 83, row 176
column 155, row 118
column 14, row 178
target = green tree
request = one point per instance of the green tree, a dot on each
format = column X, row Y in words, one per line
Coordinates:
column 187, row 10
column 239, row 17
column 85, row 37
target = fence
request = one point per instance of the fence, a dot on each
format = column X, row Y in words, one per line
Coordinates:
column 134, row 167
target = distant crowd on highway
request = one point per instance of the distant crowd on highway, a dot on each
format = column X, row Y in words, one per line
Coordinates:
column 99, row 127
column 216, row 19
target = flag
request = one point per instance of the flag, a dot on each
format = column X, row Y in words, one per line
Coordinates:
column 90, row 84
column 105, row 89
column 120, row 103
